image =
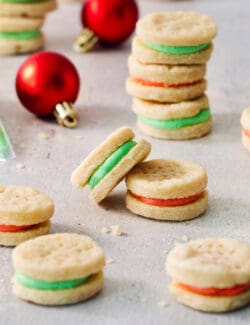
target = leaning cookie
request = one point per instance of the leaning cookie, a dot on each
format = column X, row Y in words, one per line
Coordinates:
column 107, row 165
column 167, row 190
column 211, row 275
column 58, row 269
column 176, row 34
column 176, row 121
column 245, row 128
column 24, row 214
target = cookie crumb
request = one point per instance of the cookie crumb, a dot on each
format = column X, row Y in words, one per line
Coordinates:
column 185, row 238
column 79, row 136
column 109, row 261
column 105, row 230
column 22, row 146
column 20, row 166
column 163, row 303
column 116, row 230
column 47, row 135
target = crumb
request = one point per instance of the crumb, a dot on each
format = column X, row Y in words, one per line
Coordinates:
column 109, row 261
column 20, row 166
column 116, row 230
column 47, row 135
column 163, row 303
column 185, row 238
column 105, row 230
column 79, row 136
column 22, row 145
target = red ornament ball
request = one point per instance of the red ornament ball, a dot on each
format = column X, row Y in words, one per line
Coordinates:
column 113, row 21
column 46, row 79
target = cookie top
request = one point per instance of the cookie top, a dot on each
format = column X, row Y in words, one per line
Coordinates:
column 82, row 173
column 163, row 179
column 212, row 262
column 26, row 8
column 24, row 206
column 245, row 118
column 178, row 28
column 19, row 24
column 58, row 257
column 167, row 111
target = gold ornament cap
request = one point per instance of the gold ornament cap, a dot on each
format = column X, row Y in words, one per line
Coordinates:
column 65, row 115
column 85, row 41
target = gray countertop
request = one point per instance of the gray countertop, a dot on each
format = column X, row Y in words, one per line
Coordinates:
column 136, row 281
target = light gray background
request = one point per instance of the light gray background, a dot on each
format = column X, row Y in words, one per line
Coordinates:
column 136, row 281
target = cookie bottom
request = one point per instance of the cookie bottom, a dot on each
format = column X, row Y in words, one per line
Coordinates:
column 138, row 153
column 165, row 94
column 246, row 141
column 209, row 303
column 60, row 297
column 185, row 133
column 179, row 213
column 15, row 238
column 13, row 47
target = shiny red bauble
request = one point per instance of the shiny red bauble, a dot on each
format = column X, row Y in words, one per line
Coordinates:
column 44, row 80
column 113, row 21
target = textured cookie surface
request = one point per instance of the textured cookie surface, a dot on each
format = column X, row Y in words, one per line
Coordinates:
column 177, row 28
column 13, row 47
column 82, row 174
column 148, row 55
column 162, row 178
column 36, row 9
column 219, row 263
column 18, row 24
column 24, row 206
column 58, row 257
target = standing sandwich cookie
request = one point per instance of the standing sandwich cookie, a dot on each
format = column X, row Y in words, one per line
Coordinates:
column 174, row 38
column 177, row 121
column 107, row 165
column 167, row 190
column 58, row 269
column 24, row 214
column 245, row 128
column 211, row 275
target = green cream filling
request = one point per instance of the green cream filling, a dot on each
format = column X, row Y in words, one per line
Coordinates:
column 26, row 281
column 20, row 35
column 110, row 163
column 201, row 117
column 176, row 49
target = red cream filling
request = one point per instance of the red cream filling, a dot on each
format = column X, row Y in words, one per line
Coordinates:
column 11, row 228
column 168, row 202
column 246, row 132
column 236, row 290
column 163, row 84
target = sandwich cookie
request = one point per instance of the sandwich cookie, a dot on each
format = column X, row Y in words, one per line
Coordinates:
column 167, row 190
column 211, row 275
column 26, row 8
column 107, row 165
column 24, row 214
column 178, row 121
column 58, row 269
column 177, row 34
column 245, row 128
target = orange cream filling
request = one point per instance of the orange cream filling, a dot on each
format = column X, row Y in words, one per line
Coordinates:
column 12, row 228
column 246, row 132
column 168, row 202
column 164, row 84
column 236, row 290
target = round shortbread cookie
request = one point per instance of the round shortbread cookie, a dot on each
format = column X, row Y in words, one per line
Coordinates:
column 36, row 9
column 168, row 111
column 82, row 173
column 167, row 179
column 209, row 303
column 60, row 297
column 13, row 47
column 137, row 154
column 15, row 238
column 58, row 257
column 178, row 213
column 184, row 133
column 169, row 74
column 21, row 205
column 165, row 94
column 147, row 55
column 19, row 24
column 210, row 263
column 245, row 119
column 246, row 141
column 180, row 28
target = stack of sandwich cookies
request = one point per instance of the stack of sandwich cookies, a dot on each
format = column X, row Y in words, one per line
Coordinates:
column 58, row 269
column 24, row 214
column 167, row 190
column 109, row 163
column 20, row 24
column 245, row 128
column 211, row 275
column 167, row 66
